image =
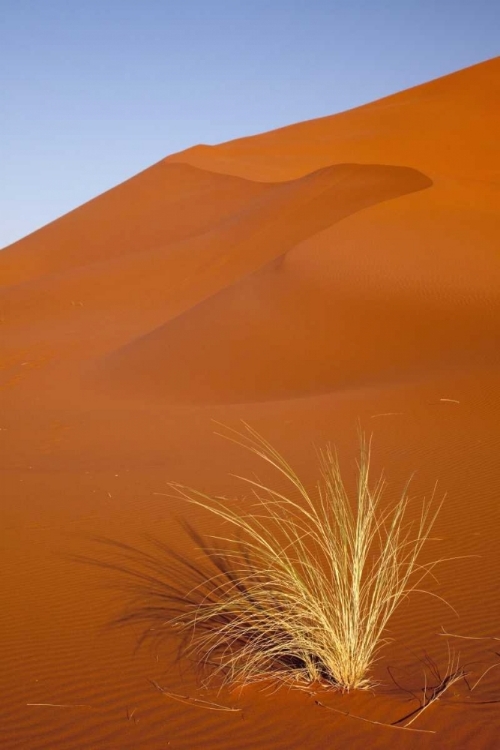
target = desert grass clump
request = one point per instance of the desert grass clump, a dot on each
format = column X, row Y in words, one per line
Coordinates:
column 305, row 585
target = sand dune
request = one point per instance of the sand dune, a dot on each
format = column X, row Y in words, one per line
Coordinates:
column 336, row 272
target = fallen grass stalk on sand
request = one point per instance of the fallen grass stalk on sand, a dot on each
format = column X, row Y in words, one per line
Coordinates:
column 191, row 701
column 348, row 715
column 432, row 693
column 305, row 586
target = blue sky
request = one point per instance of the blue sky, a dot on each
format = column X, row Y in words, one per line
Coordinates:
column 96, row 90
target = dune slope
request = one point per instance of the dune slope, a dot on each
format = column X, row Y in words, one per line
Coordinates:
column 335, row 273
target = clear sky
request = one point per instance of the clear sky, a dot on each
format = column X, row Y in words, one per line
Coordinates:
column 93, row 91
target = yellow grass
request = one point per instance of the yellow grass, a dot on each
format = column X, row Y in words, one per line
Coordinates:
column 306, row 583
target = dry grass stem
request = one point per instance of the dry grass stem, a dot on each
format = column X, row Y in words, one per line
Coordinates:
column 469, row 637
column 61, row 705
column 372, row 721
column 190, row 701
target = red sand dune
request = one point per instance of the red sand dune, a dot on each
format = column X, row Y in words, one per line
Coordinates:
column 336, row 272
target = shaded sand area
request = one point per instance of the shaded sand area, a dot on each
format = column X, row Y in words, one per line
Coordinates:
column 336, row 272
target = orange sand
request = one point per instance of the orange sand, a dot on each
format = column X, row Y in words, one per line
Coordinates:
column 338, row 271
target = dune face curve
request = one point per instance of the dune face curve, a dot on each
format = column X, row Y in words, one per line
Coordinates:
column 338, row 272
column 227, row 347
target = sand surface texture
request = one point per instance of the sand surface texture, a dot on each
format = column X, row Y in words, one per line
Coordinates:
column 338, row 272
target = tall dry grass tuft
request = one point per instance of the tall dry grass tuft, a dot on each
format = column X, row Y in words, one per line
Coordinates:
column 304, row 585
